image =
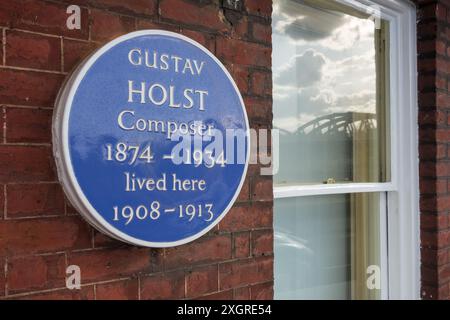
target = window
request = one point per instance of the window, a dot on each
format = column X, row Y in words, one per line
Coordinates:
column 345, row 107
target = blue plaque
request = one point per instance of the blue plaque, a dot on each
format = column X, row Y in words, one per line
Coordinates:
column 151, row 139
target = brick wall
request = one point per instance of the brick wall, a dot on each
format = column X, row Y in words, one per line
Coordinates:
column 41, row 234
column 434, row 139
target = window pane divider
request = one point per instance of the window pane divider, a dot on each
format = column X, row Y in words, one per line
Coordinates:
column 328, row 189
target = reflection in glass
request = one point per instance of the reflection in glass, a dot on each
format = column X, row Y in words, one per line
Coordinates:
column 330, row 73
column 323, row 246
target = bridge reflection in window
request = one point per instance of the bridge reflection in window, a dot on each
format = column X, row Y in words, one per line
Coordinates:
column 330, row 93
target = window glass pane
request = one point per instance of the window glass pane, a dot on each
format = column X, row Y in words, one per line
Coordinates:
column 331, row 84
column 324, row 246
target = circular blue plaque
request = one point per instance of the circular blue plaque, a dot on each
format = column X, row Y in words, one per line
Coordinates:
column 151, row 139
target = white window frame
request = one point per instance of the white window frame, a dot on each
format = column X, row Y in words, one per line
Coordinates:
column 400, row 261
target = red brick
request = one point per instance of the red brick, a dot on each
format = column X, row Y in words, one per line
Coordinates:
column 424, row 29
column 259, row 7
column 42, row 16
column 143, row 24
column 241, row 245
column 441, row 12
column 28, row 125
column 263, row 291
column 427, row 46
column 205, row 39
column 204, row 250
column 241, row 76
column 426, row 65
column 27, row 200
column 262, row 32
column 36, row 273
column 2, row 123
column 429, row 292
column 121, row 290
column 222, row 295
column 242, row 293
column 245, row 272
column 435, row 239
column 428, row 11
column 75, row 52
column 102, row 240
column 85, row 293
column 432, row 151
column 108, row 264
column 444, row 291
column 7, row 12
column 262, row 189
column 257, row 215
column 427, row 99
column 244, row 194
column 441, row 47
column 433, row 117
column 436, row 203
column 427, row 82
column 433, row 222
column 428, row 275
column 29, row 50
column 442, row 65
column 240, row 27
column 83, row 3
column 201, row 281
column 262, row 242
column 261, row 83
column 107, row 26
column 187, row 12
column 443, row 202
column 43, row 235
column 428, row 203
column 27, row 87
column 444, row 273
column 2, row 200
column 163, row 286
column 70, row 210
column 434, row 169
column 442, row 135
column 441, row 83
column 427, row 134
column 26, row 164
column 243, row 53
column 258, row 109
column 443, row 238
column 433, row 257
column 428, row 239
column 135, row 7
column 2, row 277
column 433, row 186
column 1, row 45
column 442, row 99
